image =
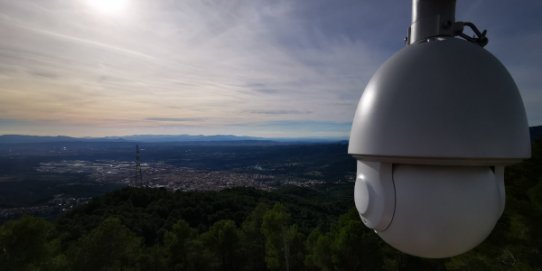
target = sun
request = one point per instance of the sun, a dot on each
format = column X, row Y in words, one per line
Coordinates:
column 111, row 7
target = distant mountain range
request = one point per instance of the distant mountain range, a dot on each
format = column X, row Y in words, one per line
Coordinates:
column 12, row 139
column 536, row 133
column 15, row 139
column 18, row 139
column 182, row 138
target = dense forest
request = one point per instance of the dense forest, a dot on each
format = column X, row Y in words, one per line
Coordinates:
column 245, row 229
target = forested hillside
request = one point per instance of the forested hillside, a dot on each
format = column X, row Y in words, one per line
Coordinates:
column 246, row 229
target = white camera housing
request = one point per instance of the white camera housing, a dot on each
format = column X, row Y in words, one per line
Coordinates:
column 432, row 133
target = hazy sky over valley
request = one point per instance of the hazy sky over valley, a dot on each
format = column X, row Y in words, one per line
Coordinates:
column 274, row 68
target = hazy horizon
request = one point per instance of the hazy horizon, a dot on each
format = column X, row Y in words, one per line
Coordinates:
column 273, row 69
column 210, row 137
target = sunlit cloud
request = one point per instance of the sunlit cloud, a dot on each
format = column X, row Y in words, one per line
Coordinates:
column 109, row 6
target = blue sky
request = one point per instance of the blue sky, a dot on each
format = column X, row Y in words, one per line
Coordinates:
column 280, row 68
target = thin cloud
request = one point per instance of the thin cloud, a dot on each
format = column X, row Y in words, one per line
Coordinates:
column 174, row 119
column 83, row 41
column 280, row 112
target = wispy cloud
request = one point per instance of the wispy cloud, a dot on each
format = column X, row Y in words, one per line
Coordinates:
column 280, row 112
column 82, row 41
column 175, row 119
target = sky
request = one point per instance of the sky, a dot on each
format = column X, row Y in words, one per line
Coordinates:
column 268, row 68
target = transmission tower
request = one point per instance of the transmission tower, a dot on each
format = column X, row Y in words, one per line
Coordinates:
column 138, row 179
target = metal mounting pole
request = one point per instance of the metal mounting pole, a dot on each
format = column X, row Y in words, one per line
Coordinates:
column 436, row 18
column 431, row 18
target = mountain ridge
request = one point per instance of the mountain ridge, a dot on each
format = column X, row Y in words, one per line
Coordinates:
column 534, row 131
column 28, row 139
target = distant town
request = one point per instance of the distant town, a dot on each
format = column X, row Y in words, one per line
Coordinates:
column 154, row 175
column 48, row 179
column 162, row 175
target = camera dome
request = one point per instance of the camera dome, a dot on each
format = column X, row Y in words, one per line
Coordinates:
column 443, row 211
column 432, row 133
column 430, row 211
column 443, row 99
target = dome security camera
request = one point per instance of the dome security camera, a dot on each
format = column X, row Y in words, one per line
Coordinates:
column 433, row 131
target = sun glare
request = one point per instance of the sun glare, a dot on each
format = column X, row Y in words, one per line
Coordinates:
column 108, row 6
